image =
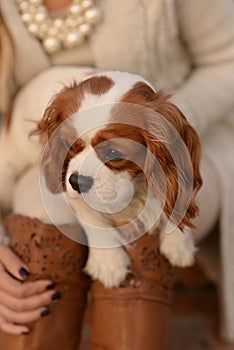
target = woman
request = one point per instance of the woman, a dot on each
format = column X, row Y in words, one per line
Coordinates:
column 184, row 46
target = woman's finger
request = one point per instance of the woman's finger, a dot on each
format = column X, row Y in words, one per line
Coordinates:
column 11, row 328
column 22, row 318
column 13, row 264
column 22, row 290
column 30, row 303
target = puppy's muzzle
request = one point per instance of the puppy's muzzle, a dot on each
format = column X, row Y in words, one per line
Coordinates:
column 80, row 183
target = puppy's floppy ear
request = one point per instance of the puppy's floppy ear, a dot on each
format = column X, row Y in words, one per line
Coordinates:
column 63, row 105
column 53, row 164
column 175, row 146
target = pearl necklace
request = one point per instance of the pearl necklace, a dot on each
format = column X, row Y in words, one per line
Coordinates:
column 60, row 32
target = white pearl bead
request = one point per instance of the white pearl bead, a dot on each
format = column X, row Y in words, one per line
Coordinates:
column 51, row 45
column 87, row 4
column 85, row 29
column 40, row 17
column 33, row 28
column 75, row 9
column 93, row 15
column 58, row 22
column 26, row 17
column 73, row 38
column 24, row 6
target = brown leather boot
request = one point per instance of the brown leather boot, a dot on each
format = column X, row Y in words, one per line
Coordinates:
column 135, row 316
column 50, row 254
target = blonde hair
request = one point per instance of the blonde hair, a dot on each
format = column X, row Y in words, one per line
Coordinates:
column 6, row 67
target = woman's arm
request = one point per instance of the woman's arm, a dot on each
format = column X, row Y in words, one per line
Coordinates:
column 207, row 30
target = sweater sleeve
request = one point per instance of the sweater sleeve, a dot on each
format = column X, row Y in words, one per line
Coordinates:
column 207, row 30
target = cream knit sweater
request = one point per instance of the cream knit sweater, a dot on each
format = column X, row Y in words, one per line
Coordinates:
column 184, row 46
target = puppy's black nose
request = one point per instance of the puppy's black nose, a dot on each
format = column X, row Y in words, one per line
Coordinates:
column 80, row 183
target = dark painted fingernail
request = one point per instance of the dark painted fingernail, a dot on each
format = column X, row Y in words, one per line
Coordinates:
column 45, row 312
column 56, row 296
column 25, row 333
column 50, row 286
column 23, row 272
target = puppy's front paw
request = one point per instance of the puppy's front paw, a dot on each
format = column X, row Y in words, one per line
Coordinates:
column 178, row 248
column 110, row 266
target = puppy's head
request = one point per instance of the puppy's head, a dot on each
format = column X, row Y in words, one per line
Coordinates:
column 112, row 129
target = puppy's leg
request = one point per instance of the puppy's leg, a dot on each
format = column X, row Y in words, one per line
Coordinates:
column 107, row 261
column 108, row 265
column 178, row 247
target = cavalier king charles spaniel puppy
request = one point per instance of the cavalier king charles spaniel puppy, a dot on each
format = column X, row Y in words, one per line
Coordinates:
column 121, row 154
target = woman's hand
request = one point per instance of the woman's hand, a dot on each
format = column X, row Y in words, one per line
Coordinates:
column 21, row 302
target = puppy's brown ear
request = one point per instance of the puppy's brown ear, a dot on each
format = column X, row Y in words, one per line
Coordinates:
column 52, row 165
column 63, row 105
column 173, row 159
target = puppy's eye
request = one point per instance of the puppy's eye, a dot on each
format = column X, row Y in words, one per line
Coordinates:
column 113, row 155
column 66, row 144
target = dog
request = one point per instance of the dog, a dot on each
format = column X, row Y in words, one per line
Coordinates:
column 118, row 153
